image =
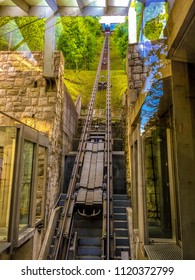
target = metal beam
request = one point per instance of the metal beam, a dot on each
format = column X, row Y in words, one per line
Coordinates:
column 52, row 4
column 80, row 4
column 48, row 69
column 22, row 5
column 41, row 11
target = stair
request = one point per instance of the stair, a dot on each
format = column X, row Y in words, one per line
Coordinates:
column 120, row 202
column 89, row 232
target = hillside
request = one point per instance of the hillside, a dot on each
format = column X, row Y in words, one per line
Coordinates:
column 81, row 82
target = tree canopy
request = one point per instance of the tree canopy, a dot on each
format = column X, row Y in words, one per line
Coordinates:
column 77, row 39
column 121, row 38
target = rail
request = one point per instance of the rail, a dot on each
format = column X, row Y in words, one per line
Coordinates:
column 73, row 180
column 109, row 225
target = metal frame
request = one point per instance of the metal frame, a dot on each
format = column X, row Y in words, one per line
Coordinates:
column 92, row 8
column 24, row 133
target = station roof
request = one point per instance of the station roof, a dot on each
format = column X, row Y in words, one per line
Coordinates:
column 40, row 8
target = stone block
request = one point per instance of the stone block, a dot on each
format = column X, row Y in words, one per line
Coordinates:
column 2, row 101
column 17, row 108
column 12, row 92
column 136, row 77
column 22, row 92
column 29, row 82
column 42, row 101
column 133, row 95
column 19, row 82
column 48, row 109
column 42, row 92
column 52, row 100
column 131, row 62
column 11, row 69
column 34, row 101
column 137, row 69
column 29, row 109
column 138, row 84
column 32, row 92
column 2, row 92
column 8, row 85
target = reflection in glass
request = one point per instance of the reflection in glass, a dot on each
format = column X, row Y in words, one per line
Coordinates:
column 7, row 154
column 157, row 184
column 26, row 184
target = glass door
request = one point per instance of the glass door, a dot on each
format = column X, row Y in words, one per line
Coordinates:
column 157, row 184
column 26, row 184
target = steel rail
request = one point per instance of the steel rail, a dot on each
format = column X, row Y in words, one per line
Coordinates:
column 109, row 158
column 83, row 139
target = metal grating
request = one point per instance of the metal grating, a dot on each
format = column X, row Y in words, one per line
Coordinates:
column 164, row 251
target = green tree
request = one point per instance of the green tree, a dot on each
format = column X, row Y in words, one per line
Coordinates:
column 121, row 38
column 77, row 41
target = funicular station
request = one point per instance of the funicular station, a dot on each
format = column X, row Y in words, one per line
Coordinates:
column 96, row 199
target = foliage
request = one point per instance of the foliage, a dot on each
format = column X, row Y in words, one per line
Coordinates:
column 139, row 7
column 22, row 33
column 121, row 38
column 156, row 15
column 82, row 81
column 153, row 29
column 77, row 41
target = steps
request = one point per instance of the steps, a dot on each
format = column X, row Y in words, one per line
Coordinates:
column 120, row 202
column 89, row 232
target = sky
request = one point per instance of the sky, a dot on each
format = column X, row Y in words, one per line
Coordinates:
column 112, row 19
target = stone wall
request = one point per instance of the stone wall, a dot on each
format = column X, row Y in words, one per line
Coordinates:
column 43, row 104
column 136, row 72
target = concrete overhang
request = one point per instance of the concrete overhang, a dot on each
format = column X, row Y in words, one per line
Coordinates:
column 64, row 7
column 181, row 31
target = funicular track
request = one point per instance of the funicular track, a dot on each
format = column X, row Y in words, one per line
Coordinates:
column 82, row 223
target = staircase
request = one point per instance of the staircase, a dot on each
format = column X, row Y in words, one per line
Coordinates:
column 120, row 202
column 89, row 232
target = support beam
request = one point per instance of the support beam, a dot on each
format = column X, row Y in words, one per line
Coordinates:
column 12, row 11
column 23, row 5
column 80, row 4
column 52, row 4
column 48, row 70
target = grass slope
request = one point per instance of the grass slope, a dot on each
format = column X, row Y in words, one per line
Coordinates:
column 82, row 81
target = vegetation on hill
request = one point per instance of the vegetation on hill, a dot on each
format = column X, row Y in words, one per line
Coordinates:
column 77, row 38
column 80, row 39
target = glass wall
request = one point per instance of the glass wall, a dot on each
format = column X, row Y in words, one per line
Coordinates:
column 157, row 184
column 7, row 156
column 26, row 183
column 41, row 179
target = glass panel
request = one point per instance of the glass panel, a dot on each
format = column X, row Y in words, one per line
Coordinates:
column 26, row 184
column 41, row 178
column 7, row 154
column 157, row 184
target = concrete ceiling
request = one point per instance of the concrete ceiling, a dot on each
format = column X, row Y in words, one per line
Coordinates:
column 41, row 8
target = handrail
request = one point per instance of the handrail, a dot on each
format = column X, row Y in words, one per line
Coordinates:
column 48, row 236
